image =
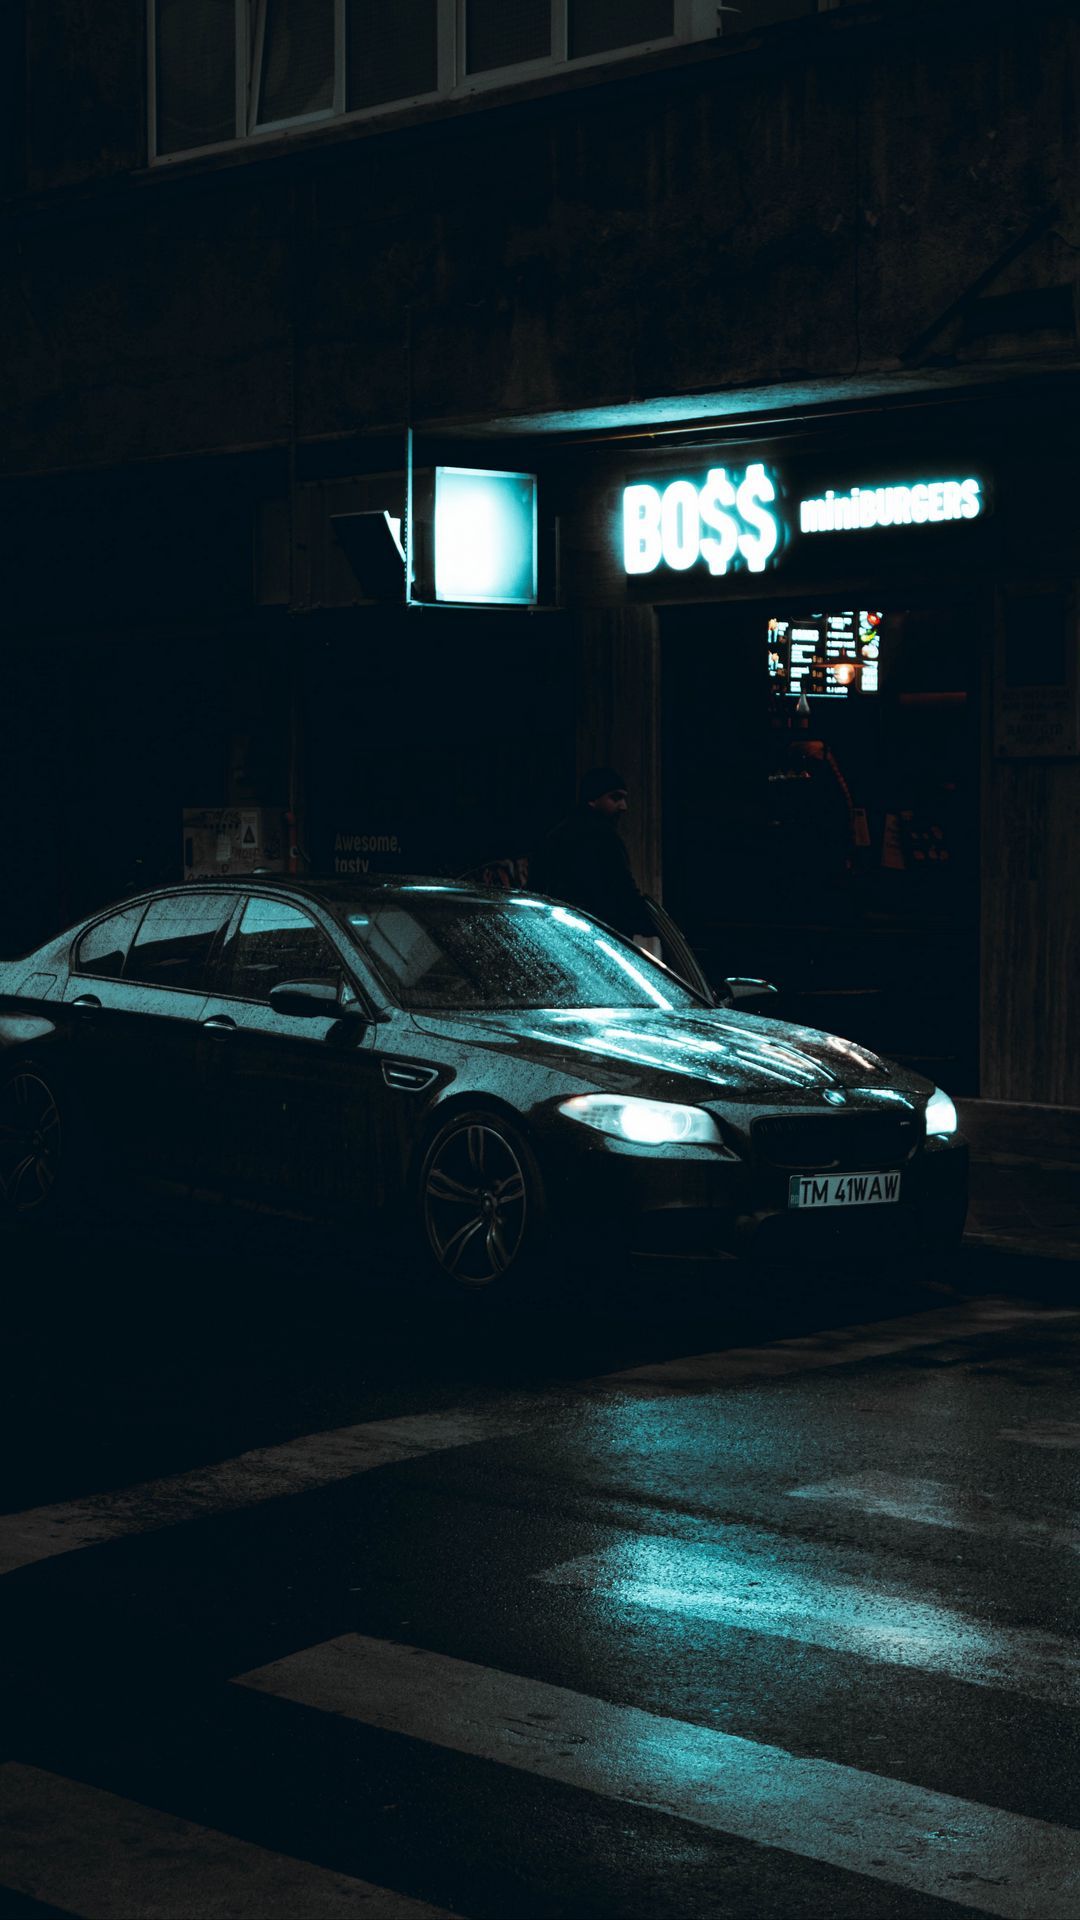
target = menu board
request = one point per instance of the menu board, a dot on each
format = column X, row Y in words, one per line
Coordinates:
column 826, row 655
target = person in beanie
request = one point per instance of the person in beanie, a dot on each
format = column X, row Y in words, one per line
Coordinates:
column 584, row 862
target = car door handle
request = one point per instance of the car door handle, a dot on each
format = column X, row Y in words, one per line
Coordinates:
column 86, row 1000
column 219, row 1026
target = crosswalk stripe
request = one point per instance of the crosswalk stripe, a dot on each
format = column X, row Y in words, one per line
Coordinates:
column 936, row 1503
column 842, row 1347
column 265, row 1473
column 932, row 1843
column 743, row 1586
column 317, row 1459
column 96, row 1854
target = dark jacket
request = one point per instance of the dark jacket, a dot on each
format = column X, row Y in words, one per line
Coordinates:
column 583, row 861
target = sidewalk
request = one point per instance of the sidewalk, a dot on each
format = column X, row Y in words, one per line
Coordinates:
column 1025, row 1177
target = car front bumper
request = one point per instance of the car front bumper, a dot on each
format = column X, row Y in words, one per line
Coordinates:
column 694, row 1199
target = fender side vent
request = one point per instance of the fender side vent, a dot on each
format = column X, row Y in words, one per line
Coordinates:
column 406, row 1077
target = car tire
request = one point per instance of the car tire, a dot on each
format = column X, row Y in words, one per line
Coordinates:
column 36, row 1183
column 482, row 1209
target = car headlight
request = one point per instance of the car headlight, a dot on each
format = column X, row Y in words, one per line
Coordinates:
column 649, row 1123
column 940, row 1113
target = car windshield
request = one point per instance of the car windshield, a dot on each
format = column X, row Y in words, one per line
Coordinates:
column 436, row 951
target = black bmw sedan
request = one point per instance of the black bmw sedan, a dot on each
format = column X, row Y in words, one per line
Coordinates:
column 499, row 1076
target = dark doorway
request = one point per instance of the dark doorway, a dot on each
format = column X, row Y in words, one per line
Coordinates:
column 821, row 813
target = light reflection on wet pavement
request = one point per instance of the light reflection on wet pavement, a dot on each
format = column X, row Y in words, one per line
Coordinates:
column 688, row 1612
column 760, row 1585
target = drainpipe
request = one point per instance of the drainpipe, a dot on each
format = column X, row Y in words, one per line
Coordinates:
column 408, row 459
column 292, row 814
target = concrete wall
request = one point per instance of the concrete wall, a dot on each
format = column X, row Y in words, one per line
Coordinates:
column 86, row 62
column 831, row 202
column 1031, row 931
column 804, row 204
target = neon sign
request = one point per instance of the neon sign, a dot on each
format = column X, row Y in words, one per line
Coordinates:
column 733, row 519
column 906, row 506
column 726, row 523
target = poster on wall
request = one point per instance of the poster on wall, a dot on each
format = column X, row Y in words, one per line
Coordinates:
column 225, row 840
column 357, row 849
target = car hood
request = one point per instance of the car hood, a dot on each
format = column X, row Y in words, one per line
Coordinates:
column 738, row 1053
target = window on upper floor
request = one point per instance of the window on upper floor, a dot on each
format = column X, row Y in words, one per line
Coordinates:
column 391, row 53
column 194, row 92
column 228, row 70
column 294, row 61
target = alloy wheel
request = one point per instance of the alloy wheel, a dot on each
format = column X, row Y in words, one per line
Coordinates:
column 30, row 1137
column 475, row 1204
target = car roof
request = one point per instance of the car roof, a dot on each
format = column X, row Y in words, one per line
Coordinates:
column 326, row 890
column 336, row 887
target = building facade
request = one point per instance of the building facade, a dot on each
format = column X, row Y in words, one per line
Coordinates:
column 782, row 316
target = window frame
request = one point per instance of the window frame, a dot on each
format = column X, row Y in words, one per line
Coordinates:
column 187, row 892
column 695, row 21
column 242, row 56
column 257, row 11
column 224, row 988
column 75, row 968
column 357, row 986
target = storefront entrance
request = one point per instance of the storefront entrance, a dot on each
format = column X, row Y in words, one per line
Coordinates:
column 821, row 770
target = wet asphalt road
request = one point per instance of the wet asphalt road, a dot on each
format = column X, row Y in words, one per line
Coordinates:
column 712, row 1597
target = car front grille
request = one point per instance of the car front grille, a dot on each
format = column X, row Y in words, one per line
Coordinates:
column 851, row 1141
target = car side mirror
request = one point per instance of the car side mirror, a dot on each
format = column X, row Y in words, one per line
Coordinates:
column 748, row 996
column 310, row 999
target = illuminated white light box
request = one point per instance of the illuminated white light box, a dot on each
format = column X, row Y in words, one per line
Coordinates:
column 485, row 537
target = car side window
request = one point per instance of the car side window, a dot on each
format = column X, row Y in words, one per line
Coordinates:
column 276, row 942
column 103, row 949
column 174, row 943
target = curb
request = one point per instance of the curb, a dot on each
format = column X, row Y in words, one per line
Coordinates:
column 1030, row 1247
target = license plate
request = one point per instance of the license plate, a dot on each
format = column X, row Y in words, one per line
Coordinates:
column 843, row 1189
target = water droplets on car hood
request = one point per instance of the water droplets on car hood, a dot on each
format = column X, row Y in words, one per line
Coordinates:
column 735, row 1051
